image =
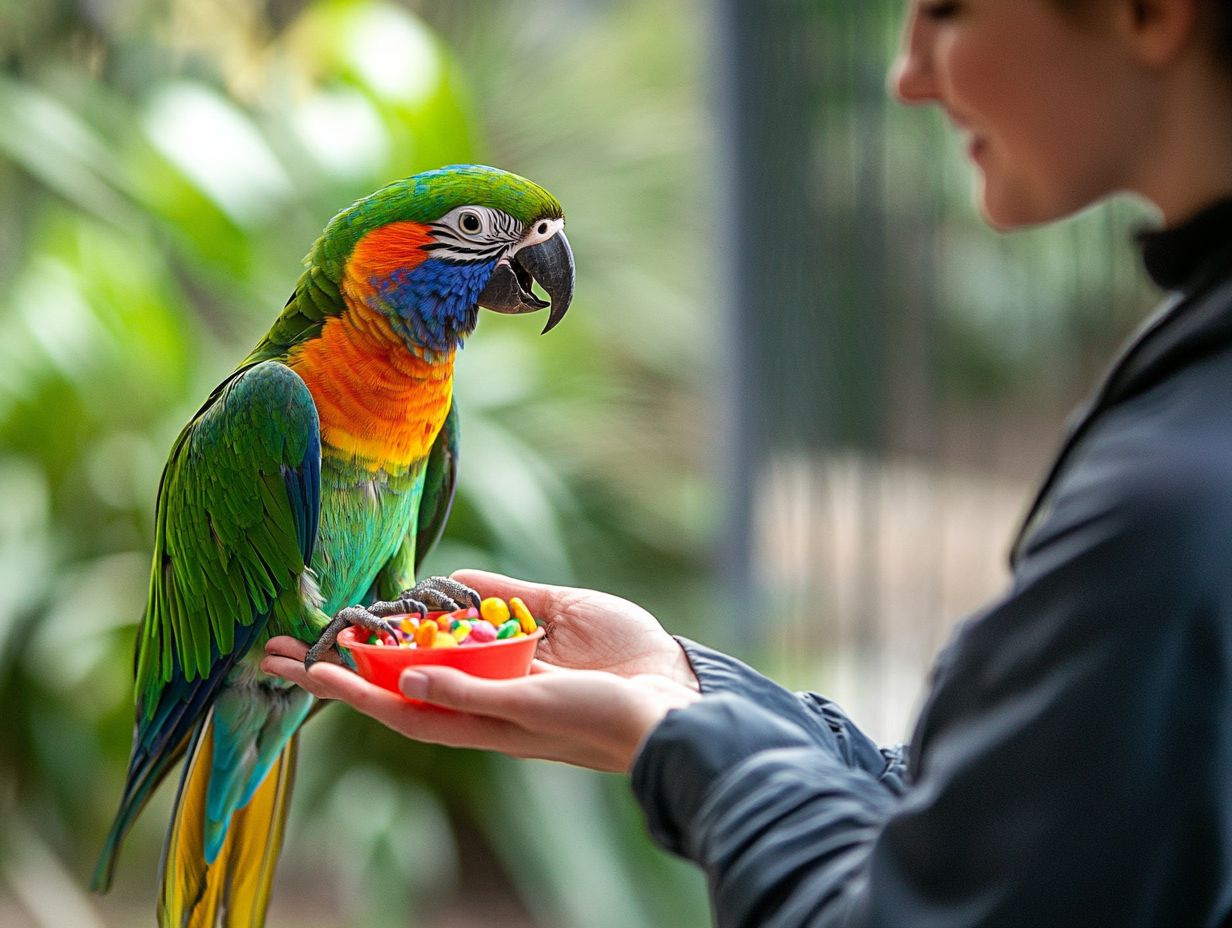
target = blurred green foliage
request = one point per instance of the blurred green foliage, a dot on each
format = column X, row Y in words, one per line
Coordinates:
column 164, row 165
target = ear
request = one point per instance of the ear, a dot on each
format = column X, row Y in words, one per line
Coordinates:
column 1158, row 31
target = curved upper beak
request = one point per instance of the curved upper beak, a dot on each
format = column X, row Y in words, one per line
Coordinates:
column 550, row 264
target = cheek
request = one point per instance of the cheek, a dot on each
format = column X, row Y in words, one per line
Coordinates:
column 1038, row 126
column 965, row 68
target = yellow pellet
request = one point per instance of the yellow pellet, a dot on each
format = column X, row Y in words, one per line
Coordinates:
column 444, row 640
column 461, row 630
column 408, row 625
column 426, row 633
column 494, row 610
column 526, row 621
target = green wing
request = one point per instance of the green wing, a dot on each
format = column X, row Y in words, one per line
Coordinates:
column 238, row 507
column 440, row 482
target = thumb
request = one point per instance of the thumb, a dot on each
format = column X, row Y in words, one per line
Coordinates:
column 452, row 688
column 540, row 598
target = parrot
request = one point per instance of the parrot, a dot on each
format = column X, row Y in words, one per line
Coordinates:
column 302, row 497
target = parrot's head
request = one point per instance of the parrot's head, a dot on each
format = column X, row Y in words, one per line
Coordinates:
column 429, row 250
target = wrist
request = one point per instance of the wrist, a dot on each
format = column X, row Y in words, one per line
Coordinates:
column 680, row 669
column 654, row 697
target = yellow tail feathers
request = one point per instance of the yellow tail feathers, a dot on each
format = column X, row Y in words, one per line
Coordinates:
column 234, row 891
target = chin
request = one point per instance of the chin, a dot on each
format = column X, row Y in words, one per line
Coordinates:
column 1007, row 216
column 1006, row 209
column 997, row 220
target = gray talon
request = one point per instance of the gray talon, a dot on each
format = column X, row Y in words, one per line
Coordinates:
column 450, row 593
column 351, row 615
column 402, row 606
column 432, row 592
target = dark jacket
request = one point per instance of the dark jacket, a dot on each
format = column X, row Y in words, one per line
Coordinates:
column 1072, row 764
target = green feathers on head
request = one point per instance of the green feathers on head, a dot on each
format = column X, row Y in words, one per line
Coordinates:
column 420, row 198
column 425, row 198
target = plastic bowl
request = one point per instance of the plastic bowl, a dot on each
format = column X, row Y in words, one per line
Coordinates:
column 383, row 664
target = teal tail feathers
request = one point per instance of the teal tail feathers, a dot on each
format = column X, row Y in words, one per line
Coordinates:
column 232, row 890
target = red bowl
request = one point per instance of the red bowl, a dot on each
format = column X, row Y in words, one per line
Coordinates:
column 383, row 664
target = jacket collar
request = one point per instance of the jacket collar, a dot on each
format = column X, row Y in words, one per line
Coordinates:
column 1194, row 262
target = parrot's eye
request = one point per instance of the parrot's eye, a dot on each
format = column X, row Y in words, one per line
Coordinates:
column 473, row 233
column 542, row 228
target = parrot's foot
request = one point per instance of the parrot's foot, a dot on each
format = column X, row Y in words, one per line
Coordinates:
column 351, row 615
column 430, row 593
column 441, row 593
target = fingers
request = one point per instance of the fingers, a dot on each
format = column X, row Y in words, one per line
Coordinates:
column 324, row 680
column 511, row 700
column 284, row 658
column 590, row 718
column 415, row 720
column 540, row 598
column 286, row 646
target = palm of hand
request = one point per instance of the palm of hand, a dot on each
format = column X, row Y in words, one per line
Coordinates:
column 589, row 630
column 595, row 631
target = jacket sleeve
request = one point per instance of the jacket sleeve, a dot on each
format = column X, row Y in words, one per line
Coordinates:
column 823, row 720
column 1070, row 766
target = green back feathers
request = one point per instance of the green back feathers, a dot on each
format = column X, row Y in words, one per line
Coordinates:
column 420, row 198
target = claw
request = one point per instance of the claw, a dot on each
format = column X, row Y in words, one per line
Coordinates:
column 440, row 593
column 401, row 606
column 448, row 592
column 351, row 615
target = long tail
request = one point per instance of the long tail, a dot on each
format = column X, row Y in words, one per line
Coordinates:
column 234, row 890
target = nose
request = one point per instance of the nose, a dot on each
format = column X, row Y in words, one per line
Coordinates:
column 911, row 77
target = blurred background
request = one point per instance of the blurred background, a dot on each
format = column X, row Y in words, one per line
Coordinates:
column 797, row 408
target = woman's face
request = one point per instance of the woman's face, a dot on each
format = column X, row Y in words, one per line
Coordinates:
column 1045, row 102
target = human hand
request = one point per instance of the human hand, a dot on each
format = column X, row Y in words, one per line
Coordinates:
column 591, row 718
column 589, row 630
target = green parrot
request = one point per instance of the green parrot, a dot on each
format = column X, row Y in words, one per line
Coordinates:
column 302, row 497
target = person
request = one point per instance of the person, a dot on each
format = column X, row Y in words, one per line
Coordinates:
column 1072, row 764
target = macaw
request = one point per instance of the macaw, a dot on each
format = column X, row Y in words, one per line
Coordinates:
column 302, row 497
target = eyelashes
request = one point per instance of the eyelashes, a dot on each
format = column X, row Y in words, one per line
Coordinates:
column 940, row 10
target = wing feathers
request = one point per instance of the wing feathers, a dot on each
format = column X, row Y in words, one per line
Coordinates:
column 237, row 516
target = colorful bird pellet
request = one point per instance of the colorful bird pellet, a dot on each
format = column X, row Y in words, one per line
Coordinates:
column 526, row 621
column 425, row 634
column 463, row 627
column 495, row 610
column 482, row 630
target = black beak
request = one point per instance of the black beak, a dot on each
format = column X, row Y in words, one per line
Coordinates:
column 550, row 264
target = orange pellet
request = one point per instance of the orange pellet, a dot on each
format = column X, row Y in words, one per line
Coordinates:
column 425, row 635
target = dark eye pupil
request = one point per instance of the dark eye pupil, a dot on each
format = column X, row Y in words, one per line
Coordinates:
column 470, row 223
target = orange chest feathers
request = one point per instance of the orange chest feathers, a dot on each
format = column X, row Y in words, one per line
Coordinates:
column 377, row 402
